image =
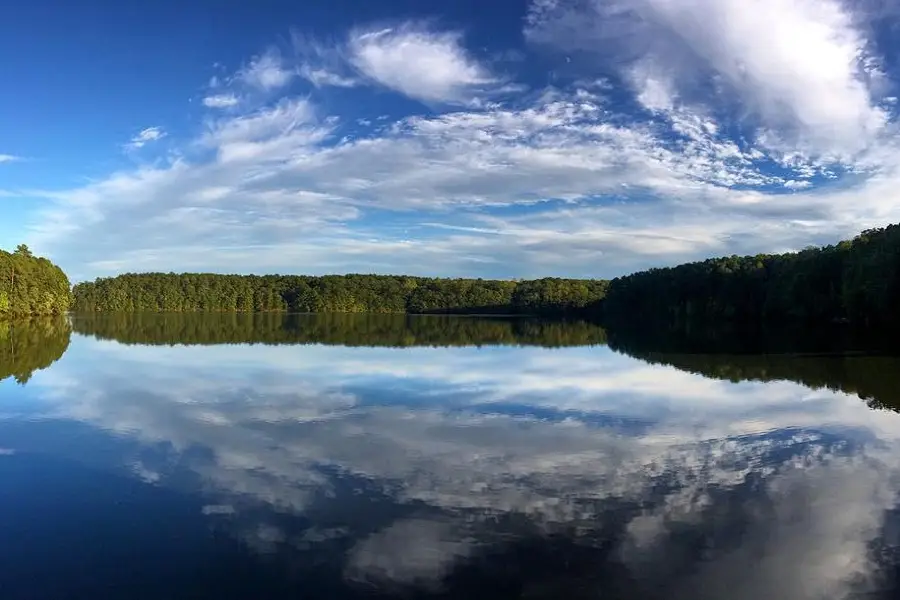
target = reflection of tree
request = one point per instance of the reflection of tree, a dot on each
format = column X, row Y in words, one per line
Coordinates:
column 836, row 360
column 335, row 328
column 29, row 345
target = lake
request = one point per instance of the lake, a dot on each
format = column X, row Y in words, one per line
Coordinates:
column 341, row 456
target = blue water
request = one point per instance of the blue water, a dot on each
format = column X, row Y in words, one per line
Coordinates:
column 328, row 471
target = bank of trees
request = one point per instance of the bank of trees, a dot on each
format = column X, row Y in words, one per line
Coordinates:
column 30, row 285
column 190, row 292
column 856, row 281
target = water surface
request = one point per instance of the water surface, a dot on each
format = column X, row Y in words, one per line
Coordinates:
column 261, row 456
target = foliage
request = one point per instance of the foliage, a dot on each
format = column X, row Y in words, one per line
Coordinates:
column 856, row 281
column 191, row 292
column 31, row 285
column 335, row 328
column 28, row 345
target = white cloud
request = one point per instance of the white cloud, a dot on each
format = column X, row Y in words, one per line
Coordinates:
column 323, row 65
column 146, row 136
column 220, row 101
column 625, row 195
column 324, row 78
column 410, row 58
column 801, row 68
column 4, row 158
column 599, row 189
column 266, row 72
column 423, row 64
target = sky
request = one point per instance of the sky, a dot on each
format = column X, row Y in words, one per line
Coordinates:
column 509, row 139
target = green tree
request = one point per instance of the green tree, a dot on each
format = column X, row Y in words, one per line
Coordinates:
column 195, row 292
column 30, row 285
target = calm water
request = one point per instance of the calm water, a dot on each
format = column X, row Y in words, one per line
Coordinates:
column 352, row 457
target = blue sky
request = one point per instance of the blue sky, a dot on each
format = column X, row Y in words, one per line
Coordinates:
column 509, row 139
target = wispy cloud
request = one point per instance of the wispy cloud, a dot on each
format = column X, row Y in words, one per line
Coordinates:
column 813, row 89
column 325, row 78
column 266, row 72
column 323, row 64
column 657, row 152
column 146, row 136
column 5, row 158
column 220, row 101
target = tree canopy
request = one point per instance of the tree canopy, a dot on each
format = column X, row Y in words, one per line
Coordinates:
column 856, row 281
column 196, row 292
column 31, row 286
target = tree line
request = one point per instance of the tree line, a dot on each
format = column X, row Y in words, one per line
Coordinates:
column 855, row 281
column 196, row 292
column 346, row 329
column 31, row 285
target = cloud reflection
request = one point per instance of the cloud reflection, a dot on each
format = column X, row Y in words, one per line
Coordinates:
column 704, row 488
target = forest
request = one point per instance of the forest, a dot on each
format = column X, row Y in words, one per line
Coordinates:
column 346, row 329
column 30, row 285
column 856, row 281
column 189, row 292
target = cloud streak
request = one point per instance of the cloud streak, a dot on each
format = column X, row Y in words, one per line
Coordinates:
column 221, row 101
column 266, row 72
column 146, row 136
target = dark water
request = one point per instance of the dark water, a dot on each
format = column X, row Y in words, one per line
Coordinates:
column 340, row 457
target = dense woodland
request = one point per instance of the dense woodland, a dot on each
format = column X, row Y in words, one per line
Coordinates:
column 856, row 281
column 393, row 330
column 28, row 345
column 30, row 285
column 188, row 292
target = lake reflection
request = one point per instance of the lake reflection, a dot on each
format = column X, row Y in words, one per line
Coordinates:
column 334, row 457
